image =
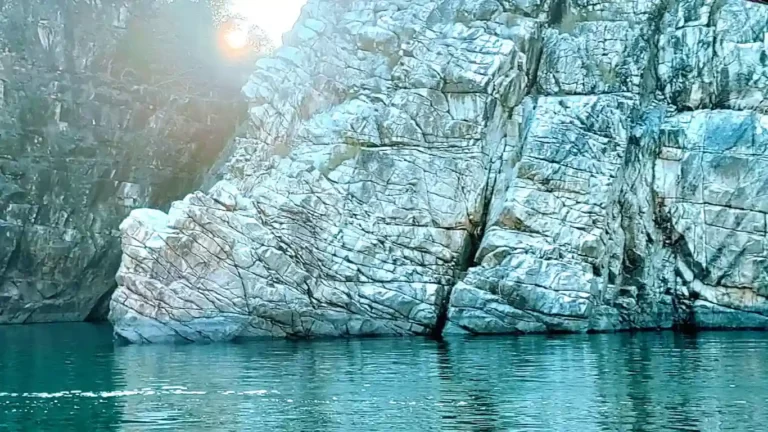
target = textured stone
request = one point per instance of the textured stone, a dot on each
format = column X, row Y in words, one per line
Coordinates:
column 350, row 207
column 475, row 166
column 712, row 192
column 549, row 227
column 81, row 145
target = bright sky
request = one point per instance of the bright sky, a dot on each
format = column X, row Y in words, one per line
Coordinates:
column 274, row 16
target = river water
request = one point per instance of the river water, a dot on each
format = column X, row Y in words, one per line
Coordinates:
column 71, row 377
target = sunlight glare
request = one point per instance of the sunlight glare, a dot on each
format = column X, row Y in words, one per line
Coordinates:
column 275, row 17
column 237, row 38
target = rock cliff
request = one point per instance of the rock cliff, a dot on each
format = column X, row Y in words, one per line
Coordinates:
column 83, row 141
column 476, row 166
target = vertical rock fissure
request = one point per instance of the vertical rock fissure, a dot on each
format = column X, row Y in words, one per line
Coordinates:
column 442, row 315
column 14, row 256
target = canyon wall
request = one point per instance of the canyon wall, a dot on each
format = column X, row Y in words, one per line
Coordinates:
column 83, row 141
column 436, row 167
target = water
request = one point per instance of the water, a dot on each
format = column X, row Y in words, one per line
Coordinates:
column 72, row 378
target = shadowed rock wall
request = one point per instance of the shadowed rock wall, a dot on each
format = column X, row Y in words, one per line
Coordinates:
column 82, row 143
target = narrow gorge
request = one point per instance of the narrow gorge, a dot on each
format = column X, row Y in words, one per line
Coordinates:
column 412, row 167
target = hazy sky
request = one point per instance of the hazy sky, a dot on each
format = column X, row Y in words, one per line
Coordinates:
column 274, row 16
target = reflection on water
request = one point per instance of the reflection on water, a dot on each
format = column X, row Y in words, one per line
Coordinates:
column 71, row 378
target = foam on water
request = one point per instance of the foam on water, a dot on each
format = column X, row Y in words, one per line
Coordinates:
column 165, row 390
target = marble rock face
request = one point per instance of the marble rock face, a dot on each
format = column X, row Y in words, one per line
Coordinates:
column 476, row 166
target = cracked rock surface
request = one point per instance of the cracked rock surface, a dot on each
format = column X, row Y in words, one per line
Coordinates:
column 476, row 166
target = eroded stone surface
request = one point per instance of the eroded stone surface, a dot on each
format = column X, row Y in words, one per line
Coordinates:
column 480, row 166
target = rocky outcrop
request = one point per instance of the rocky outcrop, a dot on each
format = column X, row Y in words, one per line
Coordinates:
column 476, row 166
column 82, row 143
column 633, row 212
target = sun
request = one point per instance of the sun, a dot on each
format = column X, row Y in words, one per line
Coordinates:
column 236, row 38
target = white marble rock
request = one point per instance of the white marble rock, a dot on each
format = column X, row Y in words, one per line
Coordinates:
column 476, row 166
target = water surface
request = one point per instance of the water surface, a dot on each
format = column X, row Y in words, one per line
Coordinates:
column 72, row 378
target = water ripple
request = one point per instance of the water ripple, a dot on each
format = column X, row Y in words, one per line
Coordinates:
column 60, row 378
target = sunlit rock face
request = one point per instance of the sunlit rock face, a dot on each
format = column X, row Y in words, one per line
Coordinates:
column 351, row 206
column 81, row 145
column 476, row 166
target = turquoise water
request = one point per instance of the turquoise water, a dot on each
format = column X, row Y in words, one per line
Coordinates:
column 72, row 378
